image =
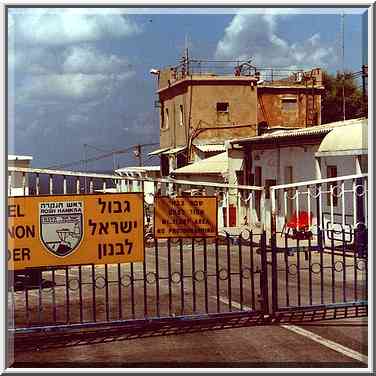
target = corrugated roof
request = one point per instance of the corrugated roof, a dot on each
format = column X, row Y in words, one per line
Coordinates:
column 12, row 157
column 168, row 151
column 316, row 130
column 213, row 165
column 175, row 150
column 158, row 151
column 347, row 140
column 210, row 147
column 138, row 169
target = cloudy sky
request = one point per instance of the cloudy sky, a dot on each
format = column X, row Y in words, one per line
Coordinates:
column 81, row 76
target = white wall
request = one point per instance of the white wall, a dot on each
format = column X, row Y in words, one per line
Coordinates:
column 135, row 186
column 16, row 188
column 273, row 163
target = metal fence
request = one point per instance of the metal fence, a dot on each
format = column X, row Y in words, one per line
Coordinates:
column 311, row 266
column 319, row 243
column 177, row 278
column 268, row 75
column 241, row 198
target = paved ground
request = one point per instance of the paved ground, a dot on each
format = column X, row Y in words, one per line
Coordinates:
column 331, row 343
column 244, row 347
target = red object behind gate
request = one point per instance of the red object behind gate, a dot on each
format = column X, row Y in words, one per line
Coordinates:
column 299, row 224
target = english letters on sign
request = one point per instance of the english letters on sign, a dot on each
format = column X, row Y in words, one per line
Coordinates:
column 185, row 217
column 75, row 230
column 15, row 211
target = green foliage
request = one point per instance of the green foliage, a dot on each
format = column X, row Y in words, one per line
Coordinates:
column 331, row 101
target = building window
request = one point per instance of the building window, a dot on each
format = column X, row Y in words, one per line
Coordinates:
column 239, row 177
column 289, row 178
column 289, row 104
column 181, row 159
column 223, row 112
column 222, row 107
column 331, row 172
column 166, row 119
column 181, row 115
column 162, row 116
column 269, row 183
column 165, row 170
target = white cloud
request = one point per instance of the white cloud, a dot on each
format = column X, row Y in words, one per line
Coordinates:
column 70, row 25
column 255, row 36
column 88, row 60
column 75, row 86
column 35, row 60
column 53, row 56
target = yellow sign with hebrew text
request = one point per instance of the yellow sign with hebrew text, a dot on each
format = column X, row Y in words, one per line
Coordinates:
column 75, row 230
column 185, row 217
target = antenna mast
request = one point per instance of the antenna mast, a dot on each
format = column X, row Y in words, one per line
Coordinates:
column 343, row 67
column 186, row 53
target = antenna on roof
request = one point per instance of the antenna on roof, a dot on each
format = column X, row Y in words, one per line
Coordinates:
column 186, row 52
column 343, row 66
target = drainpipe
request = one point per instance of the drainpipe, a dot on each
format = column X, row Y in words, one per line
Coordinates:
column 227, row 224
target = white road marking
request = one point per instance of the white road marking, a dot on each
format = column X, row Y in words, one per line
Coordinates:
column 234, row 304
column 314, row 337
column 328, row 343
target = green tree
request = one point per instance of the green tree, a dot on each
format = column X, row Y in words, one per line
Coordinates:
column 331, row 101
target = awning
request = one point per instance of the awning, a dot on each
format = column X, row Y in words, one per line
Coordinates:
column 213, row 165
column 175, row 150
column 347, row 140
column 12, row 157
column 158, row 151
column 211, row 147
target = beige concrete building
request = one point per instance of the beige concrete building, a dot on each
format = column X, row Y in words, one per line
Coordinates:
column 198, row 107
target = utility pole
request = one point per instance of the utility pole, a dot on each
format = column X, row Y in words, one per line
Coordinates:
column 343, row 67
column 85, row 162
column 138, row 154
column 186, row 53
column 364, row 91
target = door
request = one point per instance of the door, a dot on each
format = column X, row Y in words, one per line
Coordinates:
column 290, row 192
column 258, row 182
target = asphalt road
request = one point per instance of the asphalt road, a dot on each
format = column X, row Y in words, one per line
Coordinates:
column 333, row 343
column 251, row 347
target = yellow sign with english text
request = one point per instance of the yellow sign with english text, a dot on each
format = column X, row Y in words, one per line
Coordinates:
column 75, row 230
column 185, row 217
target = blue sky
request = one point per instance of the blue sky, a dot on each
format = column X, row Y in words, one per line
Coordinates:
column 81, row 76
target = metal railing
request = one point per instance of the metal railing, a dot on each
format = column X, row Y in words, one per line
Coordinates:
column 35, row 181
column 323, row 201
column 319, row 244
column 200, row 67
column 184, row 279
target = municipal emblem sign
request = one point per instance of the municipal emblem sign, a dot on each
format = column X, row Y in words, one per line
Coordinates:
column 61, row 226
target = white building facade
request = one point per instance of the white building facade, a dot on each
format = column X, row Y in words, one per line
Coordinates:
column 18, row 183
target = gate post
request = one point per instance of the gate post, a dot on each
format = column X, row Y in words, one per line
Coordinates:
column 273, row 241
column 319, row 219
column 264, row 276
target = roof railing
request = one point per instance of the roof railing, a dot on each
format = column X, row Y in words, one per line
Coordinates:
column 234, row 68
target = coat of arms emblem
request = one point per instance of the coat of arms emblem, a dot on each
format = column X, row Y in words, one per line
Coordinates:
column 61, row 226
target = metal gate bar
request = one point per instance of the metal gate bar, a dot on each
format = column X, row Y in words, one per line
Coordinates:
column 197, row 276
column 334, row 268
column 197, row 284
